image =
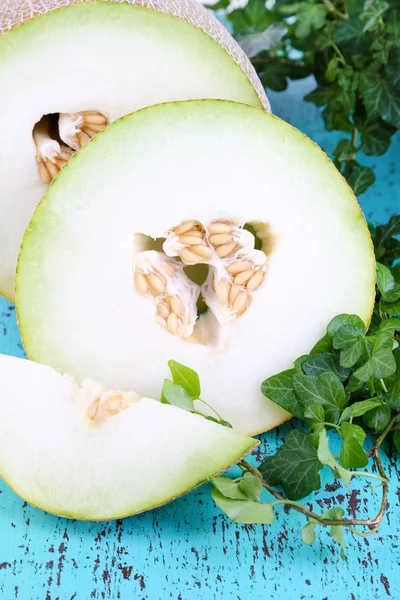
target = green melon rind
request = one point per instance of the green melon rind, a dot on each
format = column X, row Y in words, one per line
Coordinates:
column 13, row 13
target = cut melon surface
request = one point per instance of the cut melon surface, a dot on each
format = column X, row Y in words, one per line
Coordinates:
column 89, row 453
column 67, row 69
column 97, row 298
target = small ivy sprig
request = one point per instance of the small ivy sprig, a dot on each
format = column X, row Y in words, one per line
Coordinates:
column 351, row 47
column 349, row 386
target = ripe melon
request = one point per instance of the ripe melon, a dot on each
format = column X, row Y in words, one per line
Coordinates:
column 68, row 68
column 208, row 232
column 90, row 453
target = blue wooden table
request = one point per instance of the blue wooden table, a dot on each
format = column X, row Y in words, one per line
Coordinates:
column 187, row 550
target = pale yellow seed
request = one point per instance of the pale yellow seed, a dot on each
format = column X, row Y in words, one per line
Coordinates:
column 255, row 281
column 89, row 132
column 188, row 257
column 172, row 323
column 195, row 232
column 189, row 240
column 219, row 227
column 244, row 277
column 44, row 174
column 245, row 306
column 177, row 306
column 238, row 266
column 221, row 238
column 169, row 270
column 60, row 163
column 192, row 339
column 141, row 283
column 161, row 321
column 223, row 291
column 82, row 138
column 234, row 292
column 184, row 227
column 225, row 250
column 113, row 405
column 213, row 283
column 94, row 118
column 93, row 409
column 52, row 169
column 156, row 283
column 94, row 126
column 163, row 310
column 202, row 250
column 240, row 302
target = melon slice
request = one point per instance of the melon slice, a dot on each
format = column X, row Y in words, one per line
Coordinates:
column 68, row 68
column 111, row 280
column 86, row 452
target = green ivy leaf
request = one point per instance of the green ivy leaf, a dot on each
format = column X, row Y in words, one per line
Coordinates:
column 310, row 16
column 360, row 178
column 382, row 362
column 378, row 418
column 387, row 247
column 326, row 457
column 185, row 377
column 244, row 511
column 352, row 455
column 337, row 531
column 396, row 440
column 373, row 10
column 251, row 486
column 176, row 395
column 295, row 466
column 349, row 430
column 279, row 389
column 375, row 136
column 381, row 98
column 325, row 389
column 308, row 534
column 341, row 320
column 228, row 487
column 254, row 43
column 358, row 409
column 386, row 283
column 325, row 362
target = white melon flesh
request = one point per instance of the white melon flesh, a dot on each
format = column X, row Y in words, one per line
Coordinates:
column 111, row 57
column 57, row 458
column 210, row 162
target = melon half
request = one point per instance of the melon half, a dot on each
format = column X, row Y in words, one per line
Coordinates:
column 208, row 232
column 86, row 452
column 68, row 68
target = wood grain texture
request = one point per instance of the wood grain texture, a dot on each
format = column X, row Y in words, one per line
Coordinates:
column 15, row 12
column 187, row 550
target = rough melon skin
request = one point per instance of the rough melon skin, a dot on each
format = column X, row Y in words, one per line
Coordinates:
column 59, row 54
column 15, row 12
column 77, row 305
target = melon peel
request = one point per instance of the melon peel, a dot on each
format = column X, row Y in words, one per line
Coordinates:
column 185, row 53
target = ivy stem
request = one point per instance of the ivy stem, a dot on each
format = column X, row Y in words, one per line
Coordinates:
column 211, row 407
column 383, row 385
column 334, row 11
column 372, row 524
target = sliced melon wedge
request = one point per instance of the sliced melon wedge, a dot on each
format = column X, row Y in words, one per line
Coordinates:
column 111, row 265
column 68, row 68
column 95, row 454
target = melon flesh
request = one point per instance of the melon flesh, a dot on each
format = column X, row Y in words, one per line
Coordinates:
column 209, row 162
column 115, row 465
column 71, row 57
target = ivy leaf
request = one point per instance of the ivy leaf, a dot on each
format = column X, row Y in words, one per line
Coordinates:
column 251, row 486
column 185, row 377
column 325, row 389
column 244, row 511
column 349, row 339
column 310, row 16
column 349, row 430
column 340, row 320
column 358, row 409
column 392, row 68
column 326, row 457
column 381, row 98
column 228, row 487
column 360, row 178
column 396, row 440
column 176, row 395
column 387, row 247
column 352, row 454
column 254, row 43
column 392, row 398
column 317, row 364
column 386, row 283
column 323, row 345
column 373, row 9
column 279, row 389
column 375, row 136
column 382, row 362
column 295, row 466
column 308, row 534
column 378, row 418
column 337, row 531
column 391, row 308
column 388, row 327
